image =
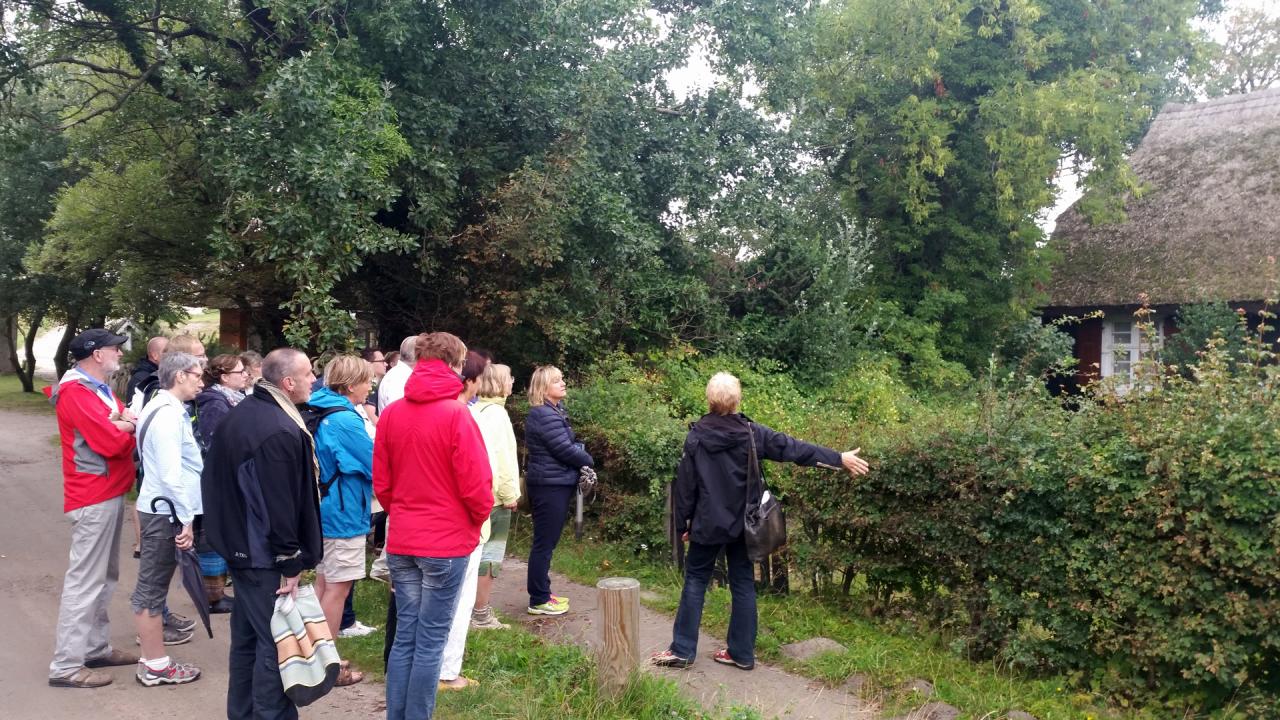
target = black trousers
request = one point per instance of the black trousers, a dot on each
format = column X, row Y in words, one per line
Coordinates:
column 550, row 505
column 389, row 638
column 255, row 691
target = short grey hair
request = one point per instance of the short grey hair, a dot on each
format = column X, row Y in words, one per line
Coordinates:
column 172, row 364
column 408, row 350
column 279, row 364
column 724, row 394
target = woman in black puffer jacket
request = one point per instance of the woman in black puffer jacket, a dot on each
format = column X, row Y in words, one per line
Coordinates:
column 554, row 462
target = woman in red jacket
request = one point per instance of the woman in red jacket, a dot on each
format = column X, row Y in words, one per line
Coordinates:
column 431, row 473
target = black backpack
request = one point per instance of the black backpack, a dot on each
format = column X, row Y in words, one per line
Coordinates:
column 312, row 416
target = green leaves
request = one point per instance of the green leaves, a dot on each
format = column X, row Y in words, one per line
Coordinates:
column 306, row 171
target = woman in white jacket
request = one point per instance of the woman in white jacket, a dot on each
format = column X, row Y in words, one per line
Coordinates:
column 491, row 415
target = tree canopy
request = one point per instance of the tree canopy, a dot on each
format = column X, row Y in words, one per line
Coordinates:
column 860, row 177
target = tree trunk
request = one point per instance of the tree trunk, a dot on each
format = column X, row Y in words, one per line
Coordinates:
column 9, row 361
column 60, row 361
column 28, row 372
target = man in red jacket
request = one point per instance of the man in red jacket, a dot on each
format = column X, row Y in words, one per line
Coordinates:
column 431, row 473
column 97, row 470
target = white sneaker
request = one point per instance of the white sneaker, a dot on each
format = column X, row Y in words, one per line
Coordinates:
column 357, row 630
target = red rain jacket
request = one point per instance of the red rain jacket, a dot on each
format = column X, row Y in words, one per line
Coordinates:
column 430, row 468
column 97, row 457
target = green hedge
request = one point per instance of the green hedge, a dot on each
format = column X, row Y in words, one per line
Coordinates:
column 1135, row 541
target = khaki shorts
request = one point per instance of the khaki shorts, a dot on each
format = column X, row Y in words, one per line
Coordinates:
column 343, row 559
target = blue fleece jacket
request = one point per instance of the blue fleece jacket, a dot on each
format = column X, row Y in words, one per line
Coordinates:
column 343, row 446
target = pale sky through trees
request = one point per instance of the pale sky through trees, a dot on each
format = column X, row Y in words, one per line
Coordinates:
column 697, row 76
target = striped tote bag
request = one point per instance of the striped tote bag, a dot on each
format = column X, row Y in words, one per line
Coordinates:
column 308, row 658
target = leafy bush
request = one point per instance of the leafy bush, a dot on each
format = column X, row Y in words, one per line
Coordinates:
column 1129, row 540
column 1133, row 540
column 1197, row 324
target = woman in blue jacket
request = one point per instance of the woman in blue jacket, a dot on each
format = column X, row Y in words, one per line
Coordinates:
column 554, row 462
column 345, row 451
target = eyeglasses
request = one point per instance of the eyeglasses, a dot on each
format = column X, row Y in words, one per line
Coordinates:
column 197, row 373
column 235, row 372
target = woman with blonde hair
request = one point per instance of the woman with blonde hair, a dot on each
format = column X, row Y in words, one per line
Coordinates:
column 555, row 462
column 491, row 416
column 344, row 448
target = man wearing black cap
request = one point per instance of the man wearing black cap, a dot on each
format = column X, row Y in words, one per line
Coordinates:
column 97, row 470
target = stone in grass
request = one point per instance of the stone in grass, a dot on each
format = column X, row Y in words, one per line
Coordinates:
column 1020, row 715
column 806, row 649
column 856, row 684
column 932, row 711
column 920, row 687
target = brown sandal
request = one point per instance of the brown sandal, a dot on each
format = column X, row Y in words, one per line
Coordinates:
column 347, row 676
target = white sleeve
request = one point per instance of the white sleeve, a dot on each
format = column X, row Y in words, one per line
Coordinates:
column 162, row 458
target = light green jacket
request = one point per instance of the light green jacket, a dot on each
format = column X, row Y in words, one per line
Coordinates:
column 500, row 440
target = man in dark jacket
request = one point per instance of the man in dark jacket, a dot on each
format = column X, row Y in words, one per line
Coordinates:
column 144, row 373
column 709, row 502
column 262, row 513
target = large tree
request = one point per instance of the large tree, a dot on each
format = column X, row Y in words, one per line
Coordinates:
column 947, row 123
column 1248, row 59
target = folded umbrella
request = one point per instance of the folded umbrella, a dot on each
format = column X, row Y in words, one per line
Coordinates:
column 577, row 518
column 189, row 568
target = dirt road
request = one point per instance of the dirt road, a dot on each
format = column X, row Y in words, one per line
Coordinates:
column 34, row 540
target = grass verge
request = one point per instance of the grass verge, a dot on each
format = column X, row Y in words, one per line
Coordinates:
column 883, row 656
column 13, row 398
column 523, row 676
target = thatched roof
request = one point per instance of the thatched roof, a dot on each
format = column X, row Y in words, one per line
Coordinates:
column 1208, row 220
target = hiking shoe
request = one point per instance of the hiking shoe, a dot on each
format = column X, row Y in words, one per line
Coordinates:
column 485, row 619
column 359, row 629
column 666, row 658
column 173, row 674
column 724, row 658
column 179, row 623
column 171, row 637
column 115, row 658
column 83, row 678
column 548, row 608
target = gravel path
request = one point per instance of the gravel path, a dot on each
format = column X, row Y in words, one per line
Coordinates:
column 34, row 538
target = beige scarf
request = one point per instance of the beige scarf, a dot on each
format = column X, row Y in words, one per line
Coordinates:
column 292, row 411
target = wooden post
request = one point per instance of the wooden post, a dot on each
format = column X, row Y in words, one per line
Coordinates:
column 618, row 654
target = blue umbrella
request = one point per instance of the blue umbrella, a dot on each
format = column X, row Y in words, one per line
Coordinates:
column 189, row 567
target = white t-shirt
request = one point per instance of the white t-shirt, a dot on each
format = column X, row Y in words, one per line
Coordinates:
column 392, row 386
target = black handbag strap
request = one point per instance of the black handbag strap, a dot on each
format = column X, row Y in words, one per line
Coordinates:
column 755, row 492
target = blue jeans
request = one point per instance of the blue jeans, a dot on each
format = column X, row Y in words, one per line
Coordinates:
column 698, row 565
column 426, row 596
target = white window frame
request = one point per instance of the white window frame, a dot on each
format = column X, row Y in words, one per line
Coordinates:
column 1124, row 344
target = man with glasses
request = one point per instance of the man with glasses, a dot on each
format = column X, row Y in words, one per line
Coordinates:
column 96, row 432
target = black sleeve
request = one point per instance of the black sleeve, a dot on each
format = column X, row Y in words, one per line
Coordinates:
column 684, row 491
column 780, row 447
column 282, row 480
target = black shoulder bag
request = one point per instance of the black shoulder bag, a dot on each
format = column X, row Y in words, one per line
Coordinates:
column 765, row 527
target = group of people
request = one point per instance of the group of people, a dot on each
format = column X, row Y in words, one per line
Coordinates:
column 269, row 471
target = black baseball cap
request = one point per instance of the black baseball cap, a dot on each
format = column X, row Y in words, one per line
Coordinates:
column 94, row 339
